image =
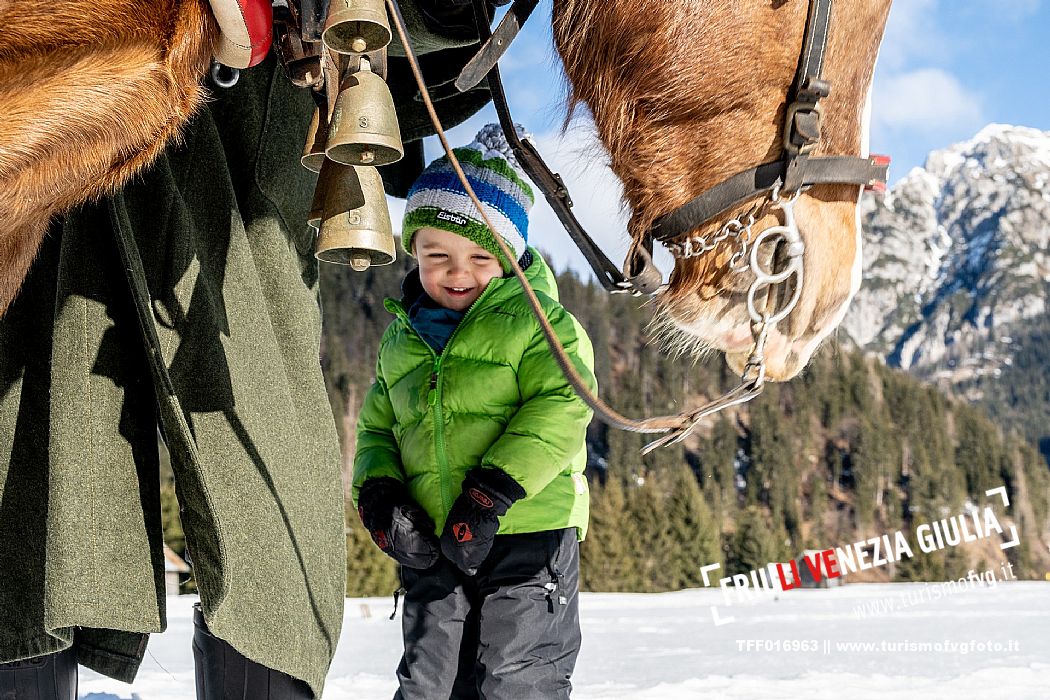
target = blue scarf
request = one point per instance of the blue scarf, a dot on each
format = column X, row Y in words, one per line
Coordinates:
column 434, row 323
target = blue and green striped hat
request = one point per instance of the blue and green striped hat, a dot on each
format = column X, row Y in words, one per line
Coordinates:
column 437, row 198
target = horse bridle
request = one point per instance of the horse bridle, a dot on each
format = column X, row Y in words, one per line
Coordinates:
column 795, row 170
column 778, row 183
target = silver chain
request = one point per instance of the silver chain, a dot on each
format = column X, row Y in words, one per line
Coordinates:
column 738, row 229
column 753, row 377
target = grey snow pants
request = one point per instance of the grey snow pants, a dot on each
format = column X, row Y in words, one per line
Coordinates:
column 512, row 632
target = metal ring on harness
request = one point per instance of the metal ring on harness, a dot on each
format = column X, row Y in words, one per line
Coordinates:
column 223, row 76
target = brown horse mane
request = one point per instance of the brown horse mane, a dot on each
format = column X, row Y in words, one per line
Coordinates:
column 665, row 76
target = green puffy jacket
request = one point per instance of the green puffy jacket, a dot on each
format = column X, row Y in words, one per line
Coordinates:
column 494, row 398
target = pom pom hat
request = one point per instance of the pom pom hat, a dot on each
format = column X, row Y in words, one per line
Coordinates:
column 437, row 198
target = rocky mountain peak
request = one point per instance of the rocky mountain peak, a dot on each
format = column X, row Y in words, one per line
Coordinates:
column 956, row 256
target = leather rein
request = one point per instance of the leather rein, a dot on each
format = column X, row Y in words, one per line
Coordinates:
column 778, row 183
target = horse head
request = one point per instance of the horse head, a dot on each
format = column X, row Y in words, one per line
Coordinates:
column 685, row 95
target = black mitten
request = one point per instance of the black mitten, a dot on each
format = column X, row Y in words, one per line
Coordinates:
column 397, row 524
column 473, row 520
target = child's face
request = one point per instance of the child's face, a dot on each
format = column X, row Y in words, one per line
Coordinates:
column 454, row 270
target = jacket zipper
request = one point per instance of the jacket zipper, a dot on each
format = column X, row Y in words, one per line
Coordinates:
column 434, row 401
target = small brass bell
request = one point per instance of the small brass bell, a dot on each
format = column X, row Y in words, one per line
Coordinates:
column 316, row 140
column 355, row 227
column 364, row 129
column 356, row 26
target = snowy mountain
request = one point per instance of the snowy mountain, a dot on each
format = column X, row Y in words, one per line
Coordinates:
column 957, row 258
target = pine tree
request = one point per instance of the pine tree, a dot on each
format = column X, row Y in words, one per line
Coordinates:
column 369, row 572
column 715, row 467
column 649, row 543
column 691, row 528
column 604, row 557
column 753, row 545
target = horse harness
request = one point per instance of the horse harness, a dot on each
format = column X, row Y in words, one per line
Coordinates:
column 777, row 184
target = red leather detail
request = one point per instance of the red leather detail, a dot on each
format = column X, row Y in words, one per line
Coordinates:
column 258, row 18
column 379, row 537
column 461, row 531
column 480, row 498
column 877, row 187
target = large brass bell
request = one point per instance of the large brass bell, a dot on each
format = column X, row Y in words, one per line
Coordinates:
column 355, row 222
column 356, row 26
column 316, row 141
column 363, row 129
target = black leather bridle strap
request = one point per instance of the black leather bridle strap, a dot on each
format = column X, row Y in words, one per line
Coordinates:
column 312, row 14
column 815, row 44
column 730, row 194
column 795, row 170
column 493, row 48
column 550, row 183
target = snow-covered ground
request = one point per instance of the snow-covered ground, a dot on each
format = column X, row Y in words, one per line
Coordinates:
column 858, row 641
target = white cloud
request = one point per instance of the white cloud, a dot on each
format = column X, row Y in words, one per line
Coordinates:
column 1016, row 10
column 928, row 99
column 911, row 34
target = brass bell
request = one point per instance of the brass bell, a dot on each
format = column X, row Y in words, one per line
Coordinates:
column 355, row 223
column 363, row 129
column 356, row 26
column 316, row 140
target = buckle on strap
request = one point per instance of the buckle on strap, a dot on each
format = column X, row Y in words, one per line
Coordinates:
column 803, row 118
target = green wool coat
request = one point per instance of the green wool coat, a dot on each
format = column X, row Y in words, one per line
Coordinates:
column 222, row 351
column 495, row 397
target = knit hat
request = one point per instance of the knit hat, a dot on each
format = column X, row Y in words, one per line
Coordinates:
column 437, row 198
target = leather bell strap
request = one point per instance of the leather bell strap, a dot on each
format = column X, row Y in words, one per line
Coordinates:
column 729, row 194
column 246, row 28
column 495, row 46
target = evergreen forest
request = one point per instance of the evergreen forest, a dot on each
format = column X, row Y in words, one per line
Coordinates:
column 847, row 451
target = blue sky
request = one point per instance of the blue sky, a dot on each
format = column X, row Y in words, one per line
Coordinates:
column 945, row 70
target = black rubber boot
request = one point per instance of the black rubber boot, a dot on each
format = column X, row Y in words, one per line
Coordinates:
column 223, row 673
column 48, row 677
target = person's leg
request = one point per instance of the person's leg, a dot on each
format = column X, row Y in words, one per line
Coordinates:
column 530, row 624
column 48, row 677
column 466, row 684
column 223, row 672
column 435, row 615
